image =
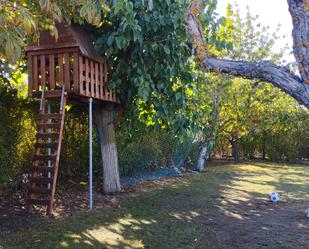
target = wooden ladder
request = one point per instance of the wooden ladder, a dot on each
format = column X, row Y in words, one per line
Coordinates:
column 43, row 179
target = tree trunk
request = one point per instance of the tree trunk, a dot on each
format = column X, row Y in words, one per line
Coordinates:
column 264, row 153
column 264, row 146
column 205, row 148
column 202, row 158
column 235, row 151
column 299, row 10
column 266, row 71
column 104, row 121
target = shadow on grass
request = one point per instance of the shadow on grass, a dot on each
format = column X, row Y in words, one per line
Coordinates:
column 222, row 208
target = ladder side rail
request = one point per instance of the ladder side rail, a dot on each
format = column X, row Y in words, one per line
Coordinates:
column 49, row 164
column 62, row 98
column 42, row 98
column 56, row 164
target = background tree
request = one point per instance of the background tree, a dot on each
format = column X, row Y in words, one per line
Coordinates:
column 238, row 39
column 266, row 71
column 243, row 109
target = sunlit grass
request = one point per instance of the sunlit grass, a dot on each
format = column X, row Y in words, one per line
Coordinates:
column 292, row 181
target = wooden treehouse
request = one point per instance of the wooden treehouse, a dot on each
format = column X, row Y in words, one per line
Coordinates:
column 62, row 71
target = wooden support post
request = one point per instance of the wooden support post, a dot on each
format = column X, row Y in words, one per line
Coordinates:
column 90, row 155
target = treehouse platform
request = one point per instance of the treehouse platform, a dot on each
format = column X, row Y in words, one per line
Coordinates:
column 72, row 61
column 60, row 71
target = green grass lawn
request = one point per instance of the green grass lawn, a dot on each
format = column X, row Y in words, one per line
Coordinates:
column 193, row 211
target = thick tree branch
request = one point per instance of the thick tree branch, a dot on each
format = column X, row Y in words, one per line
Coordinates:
column 264, row 71
column 299, row 11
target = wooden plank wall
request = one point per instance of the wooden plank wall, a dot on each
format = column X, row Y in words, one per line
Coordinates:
column 93, row 80
column 53, row 70
column 80, row 74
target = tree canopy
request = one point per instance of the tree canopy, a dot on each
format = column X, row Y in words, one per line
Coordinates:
column 162, row 85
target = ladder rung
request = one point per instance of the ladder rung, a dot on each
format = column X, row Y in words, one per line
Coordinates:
column 49, row 126
column 46, row 145
column 40, row 179
column 43, row 169
column 37, row 190
column 57, row 116
column 44, row 157
column 38, row 201
column 41, row 135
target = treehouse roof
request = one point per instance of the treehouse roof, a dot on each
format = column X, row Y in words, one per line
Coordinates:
column 70, row 36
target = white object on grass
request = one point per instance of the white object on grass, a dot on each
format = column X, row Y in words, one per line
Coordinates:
column 274, row 197
column 177, row 171
column 307, row 212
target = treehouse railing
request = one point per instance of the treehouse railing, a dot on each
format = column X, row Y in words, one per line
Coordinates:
column 82, row 76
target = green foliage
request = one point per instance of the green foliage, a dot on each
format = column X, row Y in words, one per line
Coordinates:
column 145, row 42
column 75, row 146
column 16, row 23
column 147, row 48
column 143, row 149
column 164, row 93
column 285, row 130
column 250, row 110
column 16, row 132
column 21, row 21
column 246, row 39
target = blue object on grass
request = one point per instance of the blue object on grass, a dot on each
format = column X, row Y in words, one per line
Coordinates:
column 149, row 177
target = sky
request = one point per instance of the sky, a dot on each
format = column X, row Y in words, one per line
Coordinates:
column 271, row 13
